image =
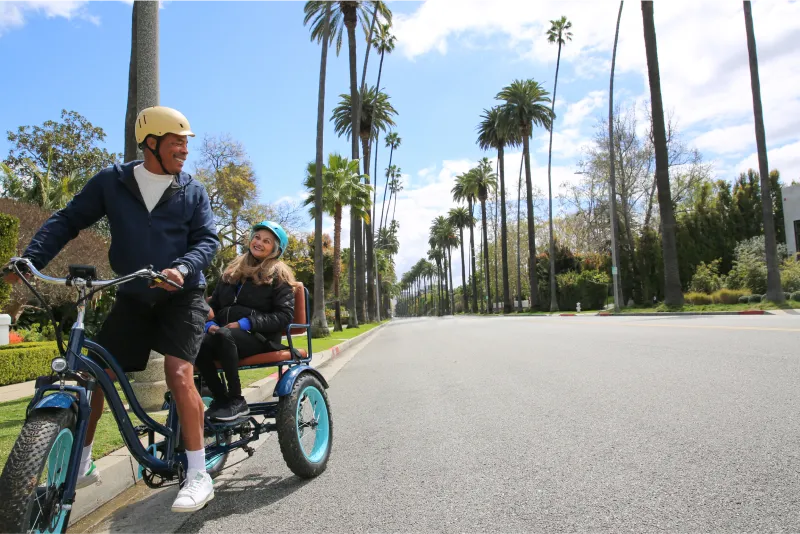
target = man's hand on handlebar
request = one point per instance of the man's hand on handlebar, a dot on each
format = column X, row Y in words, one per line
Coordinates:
column 174, row 276
column 11, row 277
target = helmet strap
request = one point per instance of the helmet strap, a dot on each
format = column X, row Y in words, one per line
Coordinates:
column 157, row 153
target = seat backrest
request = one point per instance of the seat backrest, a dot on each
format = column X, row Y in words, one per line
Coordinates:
column 299, row 309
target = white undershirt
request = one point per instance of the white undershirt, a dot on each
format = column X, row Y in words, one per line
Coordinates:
column 152, row 186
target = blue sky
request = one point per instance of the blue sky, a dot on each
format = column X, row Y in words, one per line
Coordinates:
column 249, row 70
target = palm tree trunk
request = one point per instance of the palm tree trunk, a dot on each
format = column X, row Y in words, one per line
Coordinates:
column 131, row 150
column 386, row 186
column 486, row 257
column 147, row 84
column 472, row 252
column 612, row 180
column 395, row 206
column 774, row 290
column 531, row 223
column 352, row 319
column 337, row 266
column 496, row 267
column 553, row 297
column 319, row 324
column 452, row 302
column 371, row 302
column 519, row 249
column 507, row 305
column 463, row 272
column 673, row 296
column 350, row 20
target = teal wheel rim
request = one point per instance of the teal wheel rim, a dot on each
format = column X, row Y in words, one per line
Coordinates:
column 313, row 424
column 57, row 465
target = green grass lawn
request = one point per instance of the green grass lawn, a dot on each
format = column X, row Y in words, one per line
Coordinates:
column 107, row 438
column 788, row 305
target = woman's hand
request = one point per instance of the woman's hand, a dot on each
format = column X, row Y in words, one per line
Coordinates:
column 213, row 329
column 232, row 325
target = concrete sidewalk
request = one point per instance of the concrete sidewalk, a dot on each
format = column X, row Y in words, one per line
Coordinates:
column 17, row 391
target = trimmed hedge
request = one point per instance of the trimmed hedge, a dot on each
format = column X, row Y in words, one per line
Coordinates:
column 9, row 233
column 25, row 361
column 796, row 296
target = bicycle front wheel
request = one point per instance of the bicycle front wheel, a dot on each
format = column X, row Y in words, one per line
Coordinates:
column 32, row 483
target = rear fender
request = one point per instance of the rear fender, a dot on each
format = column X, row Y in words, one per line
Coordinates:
column 288, row 379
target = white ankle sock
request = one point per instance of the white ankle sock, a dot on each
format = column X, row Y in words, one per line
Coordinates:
column 197, row 463
column 86, row 458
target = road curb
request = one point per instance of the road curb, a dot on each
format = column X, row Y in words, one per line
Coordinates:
column 664, row 314
column 119, row 471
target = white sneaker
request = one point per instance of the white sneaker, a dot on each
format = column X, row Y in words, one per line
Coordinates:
column 195, row 494
column 92, row 476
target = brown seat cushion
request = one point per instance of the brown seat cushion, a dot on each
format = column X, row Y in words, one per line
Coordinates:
column 266, row 358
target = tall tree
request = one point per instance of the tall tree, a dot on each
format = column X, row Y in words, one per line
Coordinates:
column 375, row 117
column 462, row 191
column 774, row 290
column 131, row 110
column 147, row 52
column 526, row 105
column 673, row 295
column 346, row 15
column 319, row 323
column 612, row 179
column 495, row 131
column 341, row 187
column 482, row 181
column 392, row 143
column 459, row 218
column 558, row 33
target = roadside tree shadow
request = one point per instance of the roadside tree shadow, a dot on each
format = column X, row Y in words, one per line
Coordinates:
column 243, row 495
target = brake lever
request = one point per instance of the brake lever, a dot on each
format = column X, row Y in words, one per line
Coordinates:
column 160, row 278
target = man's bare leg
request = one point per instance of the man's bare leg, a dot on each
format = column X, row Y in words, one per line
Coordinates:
column 180, row 381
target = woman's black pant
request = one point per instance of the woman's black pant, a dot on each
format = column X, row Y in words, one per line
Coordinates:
column 227, row 346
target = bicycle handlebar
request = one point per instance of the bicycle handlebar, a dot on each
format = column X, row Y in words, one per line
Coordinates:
column 157, row 277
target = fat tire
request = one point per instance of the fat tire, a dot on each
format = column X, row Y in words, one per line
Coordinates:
column 25, row 465
column 291, row 449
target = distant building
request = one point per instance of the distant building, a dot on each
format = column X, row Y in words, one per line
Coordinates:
column 791, row 217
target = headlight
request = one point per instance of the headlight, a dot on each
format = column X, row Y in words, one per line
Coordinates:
column 58, row 365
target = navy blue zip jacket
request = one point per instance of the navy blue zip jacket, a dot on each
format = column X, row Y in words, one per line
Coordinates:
column 180, row 229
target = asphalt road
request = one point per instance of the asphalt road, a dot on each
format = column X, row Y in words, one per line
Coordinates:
column 547, row 424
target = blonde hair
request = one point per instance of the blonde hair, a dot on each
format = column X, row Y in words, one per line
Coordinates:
column 260, row 272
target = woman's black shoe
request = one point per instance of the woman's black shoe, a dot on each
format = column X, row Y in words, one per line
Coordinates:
column 232, row 410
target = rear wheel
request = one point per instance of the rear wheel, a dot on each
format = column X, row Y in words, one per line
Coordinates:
column 32, row 483
column 305, row 427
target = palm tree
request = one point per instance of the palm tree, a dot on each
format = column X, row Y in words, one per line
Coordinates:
column 558, row 33
column 774, row 290
column 376, row 116
column 462, row 191
column 525, row 103
column 384, row 43
column 130, row 111
column 395, row 187
column 459, row 218
column 673, row 296
column 435, row 255
column 482, row 180
column 341, row 187
column 392, row 142
column 347, row 14
column 319, row 323
column 519, row 249
column 495, row 132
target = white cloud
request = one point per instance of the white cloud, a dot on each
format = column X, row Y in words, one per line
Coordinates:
column 12, row 14
column 578, row 111
column 786, row 159
column 703, row 57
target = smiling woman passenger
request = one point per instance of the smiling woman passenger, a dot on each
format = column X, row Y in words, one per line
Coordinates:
column 253, row 304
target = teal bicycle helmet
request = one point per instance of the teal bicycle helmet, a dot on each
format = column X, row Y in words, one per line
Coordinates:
column 275, row 228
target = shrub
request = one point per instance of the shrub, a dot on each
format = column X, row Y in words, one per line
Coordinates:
column 706, row 278
column 744, row 299
column 694, row 297
column 9, row 231
column 25, row 361
column 790, row 276
column 37, row 332
column 796, row 296
column 728, row 296
column 588, row 287
column 754, row 298
column 14, row 338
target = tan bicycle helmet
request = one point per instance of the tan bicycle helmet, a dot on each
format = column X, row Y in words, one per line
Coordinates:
column 159, row 121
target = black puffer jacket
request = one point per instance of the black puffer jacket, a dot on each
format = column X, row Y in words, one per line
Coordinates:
column 270, row 307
